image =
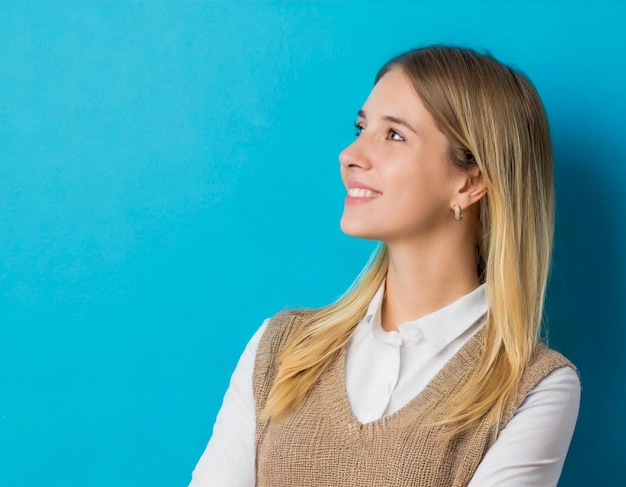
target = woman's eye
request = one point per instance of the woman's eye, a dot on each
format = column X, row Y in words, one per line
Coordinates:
column 359, row 129
column 393, row 135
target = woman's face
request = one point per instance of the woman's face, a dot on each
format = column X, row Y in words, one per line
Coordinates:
column 400, row 181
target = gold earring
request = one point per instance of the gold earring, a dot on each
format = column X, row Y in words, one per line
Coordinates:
column 458, row 213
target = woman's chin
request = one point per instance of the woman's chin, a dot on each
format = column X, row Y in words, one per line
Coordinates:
column 358, row 229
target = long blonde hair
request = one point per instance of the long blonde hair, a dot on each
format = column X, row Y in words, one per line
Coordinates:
column 494, row 119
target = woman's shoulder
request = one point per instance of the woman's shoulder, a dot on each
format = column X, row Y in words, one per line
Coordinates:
column 275, row 331
column 283, row 319
column 547, row 371
column 550, row 379
column 273, row 338
column 280, row 326
column 545, row 360
column 550, row 370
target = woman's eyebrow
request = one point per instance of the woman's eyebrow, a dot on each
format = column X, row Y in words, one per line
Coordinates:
column 390, row 118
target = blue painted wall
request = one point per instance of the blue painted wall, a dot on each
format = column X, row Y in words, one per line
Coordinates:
column 169, row 178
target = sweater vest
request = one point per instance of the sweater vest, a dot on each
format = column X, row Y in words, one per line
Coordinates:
column 321, row 443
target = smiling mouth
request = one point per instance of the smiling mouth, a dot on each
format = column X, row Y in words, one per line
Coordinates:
column 362, row 193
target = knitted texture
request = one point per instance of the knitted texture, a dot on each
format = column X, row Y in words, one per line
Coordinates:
column 322, row 444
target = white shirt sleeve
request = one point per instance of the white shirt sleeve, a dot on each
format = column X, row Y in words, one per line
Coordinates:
column 228, row 460
column 531, row 449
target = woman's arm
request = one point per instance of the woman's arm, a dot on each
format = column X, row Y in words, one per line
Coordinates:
column 228, row 460
column 531, row 449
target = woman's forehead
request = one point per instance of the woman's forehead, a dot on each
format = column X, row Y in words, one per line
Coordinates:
column 394, row 96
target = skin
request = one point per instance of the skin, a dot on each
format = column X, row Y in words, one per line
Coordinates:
column 402, row 155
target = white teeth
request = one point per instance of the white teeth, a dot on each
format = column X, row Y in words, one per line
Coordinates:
column 362, row 193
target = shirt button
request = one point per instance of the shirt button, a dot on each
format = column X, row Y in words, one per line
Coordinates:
column 414, row 335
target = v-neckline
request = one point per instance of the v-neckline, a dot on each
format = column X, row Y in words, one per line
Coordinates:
column 453, row 370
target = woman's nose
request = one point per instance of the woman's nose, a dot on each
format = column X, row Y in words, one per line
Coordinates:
column 355, row 155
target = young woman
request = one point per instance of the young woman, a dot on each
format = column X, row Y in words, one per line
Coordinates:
column 430, row 370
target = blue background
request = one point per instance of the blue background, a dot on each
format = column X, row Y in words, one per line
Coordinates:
column 169, row 178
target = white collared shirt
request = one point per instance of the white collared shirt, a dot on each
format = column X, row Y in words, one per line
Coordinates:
column 384, row 371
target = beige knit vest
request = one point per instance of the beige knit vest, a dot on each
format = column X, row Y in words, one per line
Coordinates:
column 322, row 444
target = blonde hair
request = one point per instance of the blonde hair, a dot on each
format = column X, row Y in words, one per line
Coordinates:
column 494, row 119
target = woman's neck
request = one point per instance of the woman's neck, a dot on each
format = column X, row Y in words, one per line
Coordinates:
column 421, row 281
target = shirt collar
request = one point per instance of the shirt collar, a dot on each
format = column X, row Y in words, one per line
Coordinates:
column 373, row 316
column 439, row 328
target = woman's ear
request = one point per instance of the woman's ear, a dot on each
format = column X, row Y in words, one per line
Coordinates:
column 470, row 190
